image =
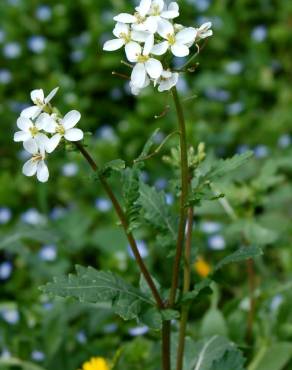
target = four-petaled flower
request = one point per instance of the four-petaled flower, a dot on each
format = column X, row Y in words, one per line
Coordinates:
column 159, row 11
column 40, row 102
column 145, row 65
column 166, row 81
column 178, row 43
column 30, row 129
column 138, row 19
column 36, row 165
column 204, row 31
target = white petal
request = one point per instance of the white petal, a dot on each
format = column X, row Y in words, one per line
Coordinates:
column 114, row 44
column 71, row 119
column 172, row 11
column 121, row 28
column 169, row 83
column 29, row 168
column 21, row 136
column 37, row 95
column 138, row 75
column 52, row 143
column 139, row 36
column 42, row 171
column 144, row 7
column 24, row 124
column 51, row 95
column 47, row 123
column 160, row 49
column 165, row 28
column 203, row 35
column 180, row 50
column 41, row 141
column 74, row 134
column 31, row 111
column 133, row 50
column 148, row 44
column 154, row 68
column 125, row 18
column 159, row 4
column 30, row 146
column 151, row 23
column 205, row 26
column 186, row 35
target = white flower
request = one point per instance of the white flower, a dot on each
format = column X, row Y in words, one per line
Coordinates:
column 63, row 128
column 136, row 90
column 124, row 35
column 40, row 101
column 36, row 165
column 138, row 19
column 145, row 64
column 166, row 81
column 178, row 42
column 204, row 31
column 158, row 10
column 28, row 128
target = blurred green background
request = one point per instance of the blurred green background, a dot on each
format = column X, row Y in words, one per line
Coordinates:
column 239, row 98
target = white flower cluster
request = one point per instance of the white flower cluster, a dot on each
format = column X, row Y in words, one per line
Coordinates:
column 151, row 32
column 41, row 130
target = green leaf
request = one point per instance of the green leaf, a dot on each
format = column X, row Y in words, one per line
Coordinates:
column 156, row 211
column 241, row 254
column 202, row 287
column 272, row 356
column 213, row 323
column 147, row 147
column 92, row 286
column 25, row 365
column 225, row 166
column 131, row 195
column 232, row 360
column 115, row 165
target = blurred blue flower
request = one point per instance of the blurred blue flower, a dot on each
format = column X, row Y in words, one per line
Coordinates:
column 216, row 94
column 138, row 330
column 37, row 356
column 5, row 76
column 5, row 354
column 11, row 50
column 11, row 316
column 116, row 93
column 216, row 242
column 106, row 132
column 57, row 212
column 284, row 141
column 242, row 149
column 37, row 44
column 33, row 217
column 182, row 85
column 259, row 33
column 70, row 169
column 5, row 215
column 110, row 328
column 44, row 13
column 276, row 302
column 77, row 56
column 48, row 253
column 201, row 5
column 234, row 108
column 103, row 204
column 210, row 227
column 5, row 270
column 261, row 151
column 81, row 337
column 169, row 199
column 234, row 68
column 142, row 247
column 160, row 183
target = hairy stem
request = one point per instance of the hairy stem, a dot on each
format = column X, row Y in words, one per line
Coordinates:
column 186, row 288
column 124, row 222
column 183, row 198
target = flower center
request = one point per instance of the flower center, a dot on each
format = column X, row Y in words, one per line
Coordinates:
column 125, row 36
column 60, row 129
column 171, row 38
column 38, row 102
column 37, row 157
column 155, row 10
column 139, row 18
column 142, row 58
column 34, row 131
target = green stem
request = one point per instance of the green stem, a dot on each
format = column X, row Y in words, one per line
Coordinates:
column 186, row 288
column 125, row 225
column 166, row 329
column 183, row 198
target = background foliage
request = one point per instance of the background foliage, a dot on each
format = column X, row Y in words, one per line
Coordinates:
column 239, row 98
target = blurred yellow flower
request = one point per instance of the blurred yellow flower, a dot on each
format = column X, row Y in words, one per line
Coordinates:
column 202, row 267
column 96, row 363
